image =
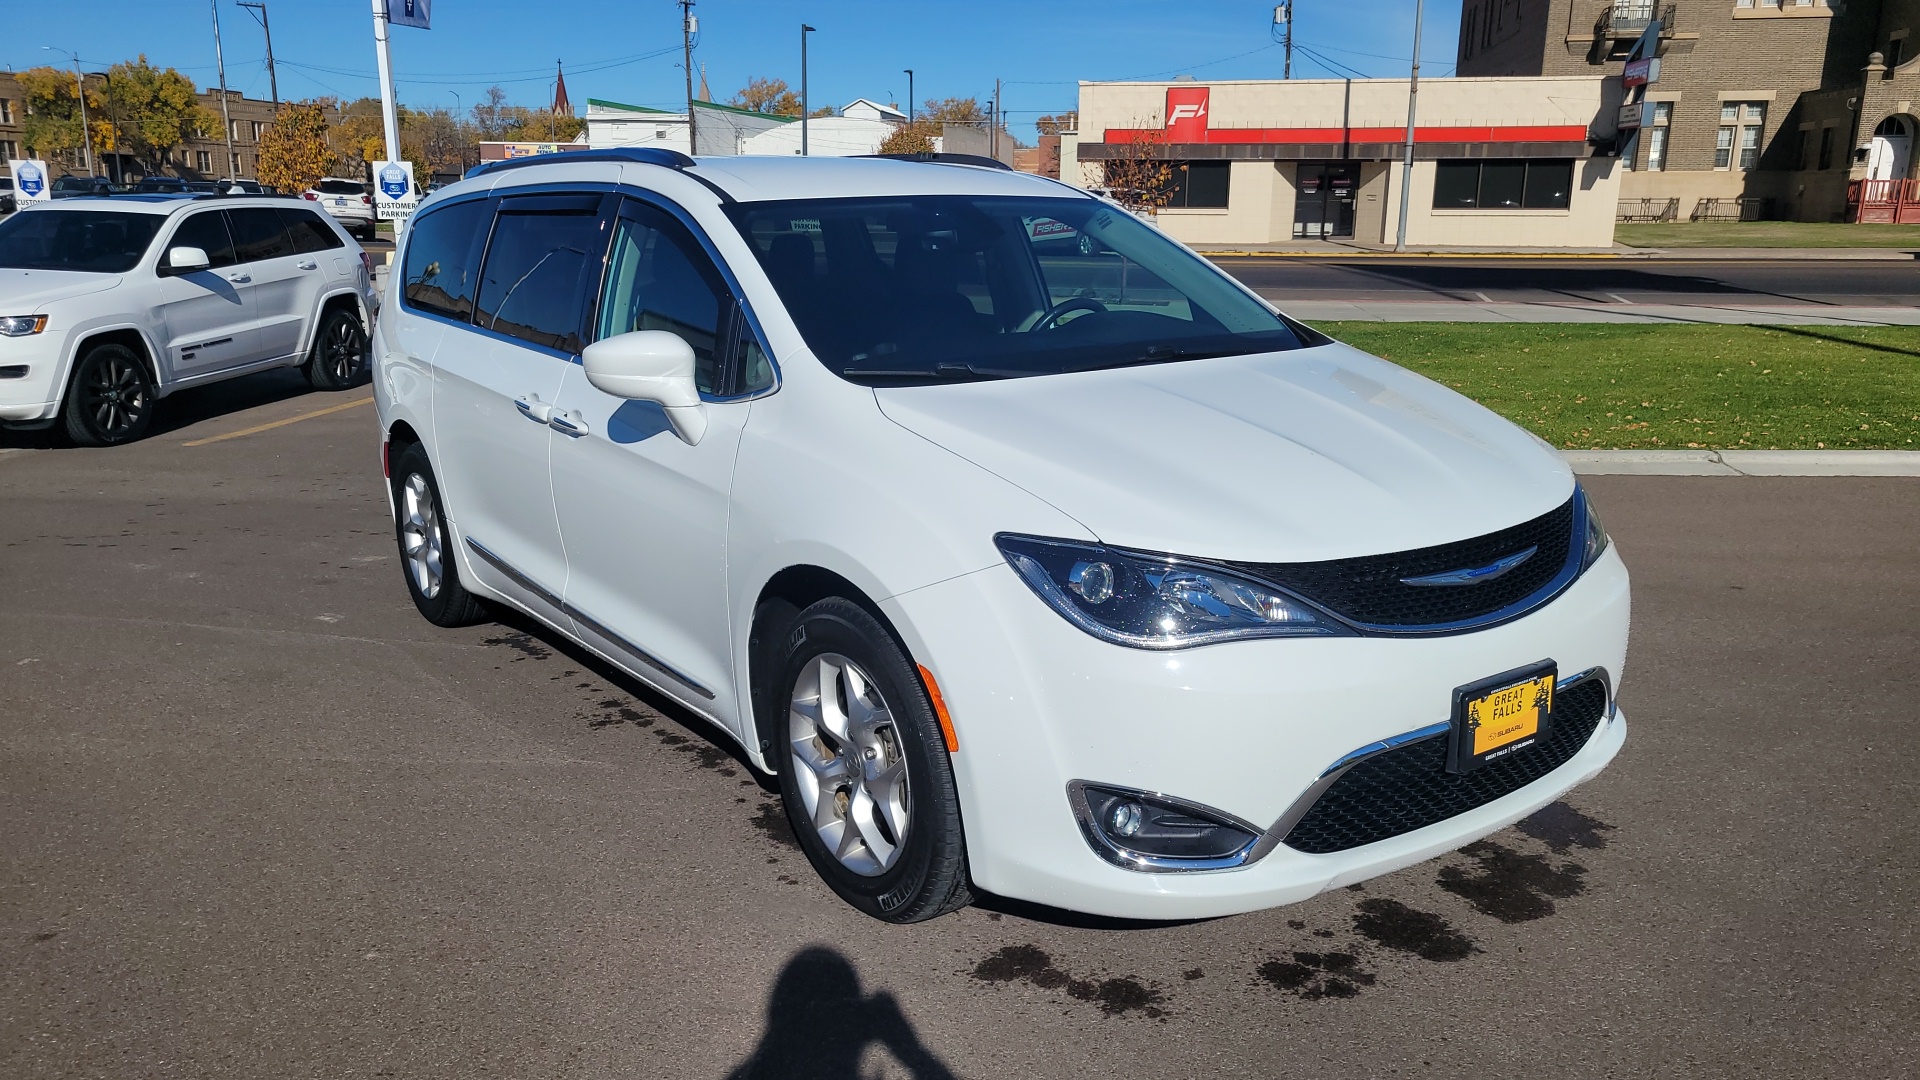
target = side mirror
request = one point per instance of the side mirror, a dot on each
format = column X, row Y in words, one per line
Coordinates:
column 185, row 260
column 651, row 365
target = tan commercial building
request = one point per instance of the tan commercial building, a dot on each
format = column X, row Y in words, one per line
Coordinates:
column 1763, row 108
column 199, row 157
column 1505, row 163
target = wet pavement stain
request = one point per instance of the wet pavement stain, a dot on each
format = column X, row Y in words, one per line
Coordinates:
column 1562, row 828
column 1312, row 976
column 524, row 644
column 1031, row 964
column 1510, row 886
column 1399, row 927
column 770, row 817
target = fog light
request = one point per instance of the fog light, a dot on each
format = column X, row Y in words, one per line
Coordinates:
column 1092, row 580
column 1142, row 830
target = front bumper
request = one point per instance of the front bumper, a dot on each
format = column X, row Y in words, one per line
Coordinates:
column 1244, row 728
column 34, row 395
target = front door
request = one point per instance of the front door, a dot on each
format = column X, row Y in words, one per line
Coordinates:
column 644, row 514
column 495, row 385
column 1323, row 201
column 208, row 315
column 285, row 284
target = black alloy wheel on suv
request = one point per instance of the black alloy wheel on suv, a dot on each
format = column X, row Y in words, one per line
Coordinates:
column 339, row 356
column 110, row 400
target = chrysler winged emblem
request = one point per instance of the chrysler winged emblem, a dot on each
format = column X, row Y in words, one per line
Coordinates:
column 1476, row 574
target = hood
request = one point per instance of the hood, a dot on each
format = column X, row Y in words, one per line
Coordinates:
column 1311, row 454
column 28, row 292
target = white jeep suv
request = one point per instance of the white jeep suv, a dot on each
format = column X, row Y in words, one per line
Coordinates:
column 1067, row 570
column 107, row 304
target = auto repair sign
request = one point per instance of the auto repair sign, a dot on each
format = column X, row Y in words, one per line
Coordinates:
column 29, row 181
column 1187, row 114
column 393, row 190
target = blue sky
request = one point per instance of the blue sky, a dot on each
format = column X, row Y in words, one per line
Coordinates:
column 629, row 50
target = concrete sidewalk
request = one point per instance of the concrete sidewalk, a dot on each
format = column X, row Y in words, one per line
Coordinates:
column 1466, row 311
column 1744, row 462
column 1334, row 249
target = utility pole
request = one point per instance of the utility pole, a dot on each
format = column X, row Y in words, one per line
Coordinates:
column 1283, row 17
column 1413, row 100
column 86, row 129
column 389, row 111
column 689, row 25
column 273, row 77
column 909, row 72
column 231, row 167
column 804, row 31
column 993, row 124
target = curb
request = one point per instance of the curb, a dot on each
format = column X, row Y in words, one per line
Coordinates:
column 1744, row 462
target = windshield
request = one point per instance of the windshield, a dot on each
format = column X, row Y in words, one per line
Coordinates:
column 88, row 241
column 945, row 287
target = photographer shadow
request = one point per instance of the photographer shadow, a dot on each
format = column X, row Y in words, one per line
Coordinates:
column 820, row 1025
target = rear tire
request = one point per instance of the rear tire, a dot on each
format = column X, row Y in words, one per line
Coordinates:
column 339, row 356
column 110, row 397
column 427, row 558
column 864, row 773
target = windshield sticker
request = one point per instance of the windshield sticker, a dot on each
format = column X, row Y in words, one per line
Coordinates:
column 805, row 225
column 1039, row 229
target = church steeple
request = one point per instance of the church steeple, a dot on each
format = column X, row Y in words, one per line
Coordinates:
column 561, row 106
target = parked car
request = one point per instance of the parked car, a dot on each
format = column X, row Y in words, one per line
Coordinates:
column 349, row 201
column 1085, row 579
column 67, row 187
column 247, row 187
column 107, row 305
column 159, row 185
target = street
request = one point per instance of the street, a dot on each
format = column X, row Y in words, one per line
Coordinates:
column 262, row 820
column 1603, row 280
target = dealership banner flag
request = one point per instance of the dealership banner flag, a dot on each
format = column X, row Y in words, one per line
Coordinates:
column 409, row 13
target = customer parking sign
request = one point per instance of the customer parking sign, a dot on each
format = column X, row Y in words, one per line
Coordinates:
column 393, row 190
column 29, row 180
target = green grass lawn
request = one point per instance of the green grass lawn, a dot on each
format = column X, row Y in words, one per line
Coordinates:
column 1632, row 387
column 1767, row 234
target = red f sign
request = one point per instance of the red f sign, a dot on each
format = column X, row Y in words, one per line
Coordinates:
column 1186, row 114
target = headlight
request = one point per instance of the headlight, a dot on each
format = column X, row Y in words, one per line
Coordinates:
column 1150, row 601
column 21, row 325
column 1596, row 541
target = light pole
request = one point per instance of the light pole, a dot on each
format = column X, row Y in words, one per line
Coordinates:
column 86, row 130
column 115, row 171
column 1413, row 99
column 232, row 166
column 457, row 138
column 804, row 31
column 909, row 72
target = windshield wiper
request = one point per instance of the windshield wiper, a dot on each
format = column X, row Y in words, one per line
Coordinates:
column 1155, row 354
column 949, row 370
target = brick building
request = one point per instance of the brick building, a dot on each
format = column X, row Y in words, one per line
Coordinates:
column 200, row 157
column 1781, row 103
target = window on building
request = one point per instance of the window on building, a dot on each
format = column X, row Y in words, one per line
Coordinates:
column 9, row 149
column 1740, row 125
column 1826, row 148
column 6, row 111
column 1896, row 50
column 1503, row 185
column 1200, row 185
column 258, row 128
column 203, row 161
column 1656, row 136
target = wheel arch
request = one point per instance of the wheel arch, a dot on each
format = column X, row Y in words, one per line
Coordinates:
column 126, row 336
column 339, row 299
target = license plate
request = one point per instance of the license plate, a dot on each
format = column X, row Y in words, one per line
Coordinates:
column 1501, row 715
column 339, row 202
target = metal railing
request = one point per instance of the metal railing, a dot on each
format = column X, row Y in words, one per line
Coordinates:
column 1629, row 18
column 1650, row 209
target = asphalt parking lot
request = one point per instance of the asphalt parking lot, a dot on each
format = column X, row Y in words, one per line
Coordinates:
column 258, row 819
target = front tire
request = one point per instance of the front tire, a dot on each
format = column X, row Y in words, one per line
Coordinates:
column 427, row 559
column 864, row 772
column 110, row 399
column 339, row 356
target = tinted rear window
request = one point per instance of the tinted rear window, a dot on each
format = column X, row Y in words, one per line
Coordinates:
column 258, row 234
column 340, row 187
column 99, row 242
column 208, row 232
column 309, row 233
column 443, row 258
column 543, row 267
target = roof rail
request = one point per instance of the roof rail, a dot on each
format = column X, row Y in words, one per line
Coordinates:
column 977, row 160
column 637, row 155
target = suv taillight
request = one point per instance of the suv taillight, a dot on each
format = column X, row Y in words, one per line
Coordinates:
column 366, row 262
column 366, row 200
column 309, row 196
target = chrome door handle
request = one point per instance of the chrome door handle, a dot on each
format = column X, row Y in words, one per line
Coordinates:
column 561, row 424
column 239, row 279
column 308, row 264
column 533, row 408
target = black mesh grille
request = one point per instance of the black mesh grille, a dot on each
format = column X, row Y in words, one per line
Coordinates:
column 1409, row 787
column 1368, row 589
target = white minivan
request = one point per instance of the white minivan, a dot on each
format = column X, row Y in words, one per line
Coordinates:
column 1033, row 554
column 108, row 304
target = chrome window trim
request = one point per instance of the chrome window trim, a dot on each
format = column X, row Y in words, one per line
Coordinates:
column 585, row 620
column 1158, row 864
column 1274, row 834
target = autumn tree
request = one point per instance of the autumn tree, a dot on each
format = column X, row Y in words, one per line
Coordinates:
column 953, row 110
column 294, row 151
column 148, row 111
column 771, row 96
column 542, row 125
column 51, row 127
column 1139, row 176
column 1055, row 124
column 493, row 116
column 914, row 138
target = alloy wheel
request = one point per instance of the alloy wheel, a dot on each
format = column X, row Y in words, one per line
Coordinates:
column 848, row 763
column 343, row 350
column 115, row 396
column 420, row 535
